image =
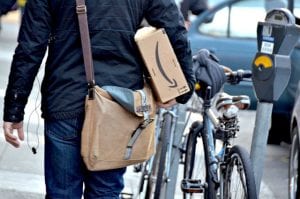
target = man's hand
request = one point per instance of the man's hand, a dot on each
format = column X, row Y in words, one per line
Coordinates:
column 9, row 128
column 226, row 69
column 187, row 24
column 167, row 104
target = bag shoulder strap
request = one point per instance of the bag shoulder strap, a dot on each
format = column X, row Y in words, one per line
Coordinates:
column 86, row 45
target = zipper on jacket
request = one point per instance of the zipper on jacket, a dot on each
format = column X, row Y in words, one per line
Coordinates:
column 51, row 38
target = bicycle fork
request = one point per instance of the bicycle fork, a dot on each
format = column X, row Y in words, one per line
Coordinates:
column 208, row 140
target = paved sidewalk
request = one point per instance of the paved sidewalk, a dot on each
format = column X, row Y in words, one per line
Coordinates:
column 21, row 172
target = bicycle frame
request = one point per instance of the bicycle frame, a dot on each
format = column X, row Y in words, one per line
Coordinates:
column 216, row 128
column 158, row 167
column 208, row 138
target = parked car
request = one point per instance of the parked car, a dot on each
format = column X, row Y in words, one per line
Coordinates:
column 231, row 35
column 294, row 181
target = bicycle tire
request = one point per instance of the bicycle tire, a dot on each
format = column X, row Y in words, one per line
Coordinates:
column 157, row 182
column 196, row 164
column 151, row 181
column 238, row 162
column 178, row 127
column 294, row 168
column 160, row 178
column 143, row 178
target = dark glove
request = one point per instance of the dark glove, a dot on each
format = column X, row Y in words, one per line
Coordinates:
column 208, row 72
column 182, row 99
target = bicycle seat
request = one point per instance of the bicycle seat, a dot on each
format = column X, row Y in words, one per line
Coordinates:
column 225, row 100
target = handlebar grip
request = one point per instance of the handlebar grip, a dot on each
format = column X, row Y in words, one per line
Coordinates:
column 235, row 77
column 246, row 73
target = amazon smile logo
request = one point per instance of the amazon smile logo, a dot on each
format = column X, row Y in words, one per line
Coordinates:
column 172, row 82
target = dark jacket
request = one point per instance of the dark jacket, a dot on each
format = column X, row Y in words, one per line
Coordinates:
column 112, row 25
column 6, row 6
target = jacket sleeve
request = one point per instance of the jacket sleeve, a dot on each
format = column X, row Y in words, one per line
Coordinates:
column 184, row 8
column 32, row 44
column 6, row 5
column 198, row 6
column 165, row 14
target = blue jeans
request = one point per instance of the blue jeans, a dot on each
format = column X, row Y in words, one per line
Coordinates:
column 65, row 173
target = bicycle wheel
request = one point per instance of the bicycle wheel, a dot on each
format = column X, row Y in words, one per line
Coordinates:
column 294, row 169
column 239, row 179
column 196, row 166
column 175, row 152
column 151, row 181
column 156, row 183
column 145, row 171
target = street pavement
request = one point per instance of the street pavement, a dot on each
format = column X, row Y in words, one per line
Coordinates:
column 21, row 172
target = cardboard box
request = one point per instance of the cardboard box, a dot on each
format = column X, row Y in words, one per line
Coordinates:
column 167, row 78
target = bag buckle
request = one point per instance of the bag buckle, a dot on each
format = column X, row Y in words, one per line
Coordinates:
column 145, row 123
column 144, row 108
column 81, row 9
column 135, row 136
column 91, row 90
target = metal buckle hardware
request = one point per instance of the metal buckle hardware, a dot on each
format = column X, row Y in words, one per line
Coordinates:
column 81, row 9
column 91, row 90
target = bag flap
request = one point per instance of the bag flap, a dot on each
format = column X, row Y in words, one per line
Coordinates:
column 139, row 102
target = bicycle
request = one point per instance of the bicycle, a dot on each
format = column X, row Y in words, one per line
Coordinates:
column 224, row 172
column 159, row 173
column 169, row 150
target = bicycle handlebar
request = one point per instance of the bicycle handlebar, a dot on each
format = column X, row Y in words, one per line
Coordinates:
column 235, row 77
column 232, row 77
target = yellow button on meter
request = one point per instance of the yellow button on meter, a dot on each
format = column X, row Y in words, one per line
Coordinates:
column 263, row 61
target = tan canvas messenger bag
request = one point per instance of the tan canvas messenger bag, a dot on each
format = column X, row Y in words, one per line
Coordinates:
column 118, row 128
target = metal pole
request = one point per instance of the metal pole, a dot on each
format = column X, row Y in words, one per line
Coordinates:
column 259, row 140
column 179, row 129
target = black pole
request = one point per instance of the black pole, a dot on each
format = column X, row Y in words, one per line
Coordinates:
column 291, row 5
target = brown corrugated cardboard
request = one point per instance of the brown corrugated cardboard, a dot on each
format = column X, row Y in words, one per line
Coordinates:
column 167, row 78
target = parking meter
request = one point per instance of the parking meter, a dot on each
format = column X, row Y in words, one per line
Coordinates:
column 271, row 70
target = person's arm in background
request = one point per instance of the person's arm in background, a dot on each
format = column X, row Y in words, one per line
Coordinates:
column 184, row 8
column 195, row 6
column 165, row 14
column 198, row 6
column 32, row 45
